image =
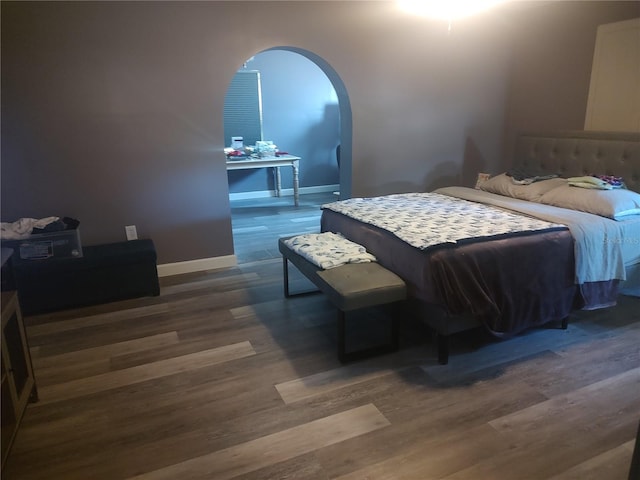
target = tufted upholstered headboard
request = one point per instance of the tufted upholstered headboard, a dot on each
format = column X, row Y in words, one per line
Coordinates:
column 576, row 153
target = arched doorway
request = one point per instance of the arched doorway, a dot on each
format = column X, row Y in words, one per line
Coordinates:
column 306, row 112
column 344, row 109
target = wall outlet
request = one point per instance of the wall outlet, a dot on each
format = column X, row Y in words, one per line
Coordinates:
column 132, row 233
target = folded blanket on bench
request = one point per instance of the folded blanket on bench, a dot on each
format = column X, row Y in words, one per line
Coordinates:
column 328, row 249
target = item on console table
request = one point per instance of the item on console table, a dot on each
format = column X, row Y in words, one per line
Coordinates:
column 266, row 148
column 33, row 239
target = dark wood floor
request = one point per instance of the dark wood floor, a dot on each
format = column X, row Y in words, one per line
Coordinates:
column 258, row 223
column 220, row 377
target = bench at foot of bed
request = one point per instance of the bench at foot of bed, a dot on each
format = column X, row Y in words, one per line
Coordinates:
column 350, row 287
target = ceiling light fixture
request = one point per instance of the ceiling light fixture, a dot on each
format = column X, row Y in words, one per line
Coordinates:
column 448, row 10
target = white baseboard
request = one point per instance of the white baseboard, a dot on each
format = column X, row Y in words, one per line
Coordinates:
column 285, row 192
column 249, row 195
column 214, row 263
column 200, row 265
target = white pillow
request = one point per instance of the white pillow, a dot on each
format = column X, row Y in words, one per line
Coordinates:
column 616, row 204
column 503, row 185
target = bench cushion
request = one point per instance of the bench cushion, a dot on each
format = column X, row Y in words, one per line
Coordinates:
column 360, row 285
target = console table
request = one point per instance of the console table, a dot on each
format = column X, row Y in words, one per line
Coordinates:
column 276, row 163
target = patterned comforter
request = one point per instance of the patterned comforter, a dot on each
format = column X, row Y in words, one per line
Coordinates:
column 426, row 220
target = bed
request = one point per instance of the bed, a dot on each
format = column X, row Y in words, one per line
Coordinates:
column 559, row 249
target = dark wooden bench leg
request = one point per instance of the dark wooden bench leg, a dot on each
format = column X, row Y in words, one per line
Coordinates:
column 285, row 275
column 442, row 342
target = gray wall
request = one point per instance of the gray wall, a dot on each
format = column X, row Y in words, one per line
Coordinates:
column 551, row 65
column 300, row 115
column 112, row 112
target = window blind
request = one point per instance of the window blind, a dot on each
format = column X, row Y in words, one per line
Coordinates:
column 243, row 108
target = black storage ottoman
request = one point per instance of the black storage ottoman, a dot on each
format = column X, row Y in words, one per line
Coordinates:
column 105, row 273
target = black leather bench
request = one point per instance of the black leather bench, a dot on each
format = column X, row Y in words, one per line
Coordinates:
column 350, row 287
column 105, row 273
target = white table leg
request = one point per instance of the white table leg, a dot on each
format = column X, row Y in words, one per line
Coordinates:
column 295, row 182
column 278, row 182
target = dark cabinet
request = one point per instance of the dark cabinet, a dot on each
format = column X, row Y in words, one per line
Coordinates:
column 18, row 382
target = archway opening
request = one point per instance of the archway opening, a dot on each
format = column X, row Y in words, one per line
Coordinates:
column 345, row 116
column 305, row 111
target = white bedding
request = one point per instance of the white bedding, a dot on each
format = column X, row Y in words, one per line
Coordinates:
column 603, row 247
column 328, row 249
